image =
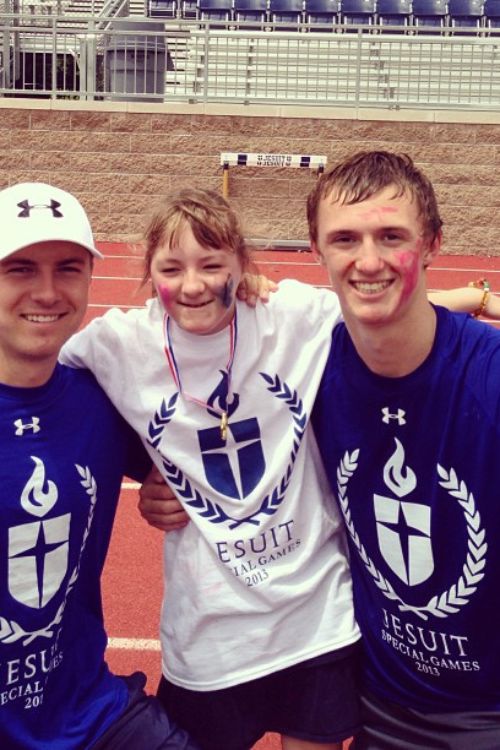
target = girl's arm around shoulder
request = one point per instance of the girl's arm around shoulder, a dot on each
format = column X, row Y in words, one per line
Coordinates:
column 476, row 299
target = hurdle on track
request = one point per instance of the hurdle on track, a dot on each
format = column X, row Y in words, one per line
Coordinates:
column 304, row 161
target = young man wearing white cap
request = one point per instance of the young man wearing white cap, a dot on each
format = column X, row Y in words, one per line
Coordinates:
column 63, row 451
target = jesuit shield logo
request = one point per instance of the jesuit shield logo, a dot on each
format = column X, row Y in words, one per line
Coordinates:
column 403, row 527
column 233, row 469
column 233, row 480
column 38, row 551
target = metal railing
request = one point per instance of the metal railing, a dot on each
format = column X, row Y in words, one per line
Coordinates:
column 196, row 63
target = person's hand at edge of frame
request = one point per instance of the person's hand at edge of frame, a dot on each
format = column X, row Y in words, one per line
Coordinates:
column 254, row 287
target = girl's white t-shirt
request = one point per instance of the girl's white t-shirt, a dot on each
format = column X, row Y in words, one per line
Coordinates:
column 258, row 580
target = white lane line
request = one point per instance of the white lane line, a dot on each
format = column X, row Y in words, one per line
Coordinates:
column 116, row 278
column 127, row 256
column 463, row 269
column 134, row 644
column 123, row 307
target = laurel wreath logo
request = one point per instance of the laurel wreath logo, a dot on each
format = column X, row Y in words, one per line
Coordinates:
column 11, row 631
column 209, row 509
column 161, row 419
column 457, row 596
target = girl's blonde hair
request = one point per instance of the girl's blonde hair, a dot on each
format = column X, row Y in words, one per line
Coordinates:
column 210, row 217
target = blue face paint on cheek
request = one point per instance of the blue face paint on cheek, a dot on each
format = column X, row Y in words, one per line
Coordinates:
column 226, row 294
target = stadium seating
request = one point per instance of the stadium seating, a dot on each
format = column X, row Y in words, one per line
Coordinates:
column 424, row 16
column 358, row 11
column 162, row 8
column 215, row 10
column 394, row 12
column 189, row 9
column 429, row 14
column 465, row 13
column 322, row 12
column 286, row 11
column 250, row 11
column 492, row 15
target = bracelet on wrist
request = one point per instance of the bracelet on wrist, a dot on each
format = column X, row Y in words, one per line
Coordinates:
column 485, row 286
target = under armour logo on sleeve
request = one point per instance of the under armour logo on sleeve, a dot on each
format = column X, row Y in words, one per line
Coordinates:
column 387, row 416
column 26, row 209
column 21, row 428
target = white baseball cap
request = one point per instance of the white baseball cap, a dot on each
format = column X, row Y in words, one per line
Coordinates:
column 33, row 212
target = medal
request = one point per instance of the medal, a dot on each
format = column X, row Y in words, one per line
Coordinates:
column 223, row 426
column 174, row 369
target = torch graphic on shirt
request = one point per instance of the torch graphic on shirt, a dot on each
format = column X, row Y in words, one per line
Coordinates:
column 238, row 477
column 38, row 550
column 403, row 525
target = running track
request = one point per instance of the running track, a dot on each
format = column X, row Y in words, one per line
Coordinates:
column 132, row 580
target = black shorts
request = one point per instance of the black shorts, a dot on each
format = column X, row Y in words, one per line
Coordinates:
column 316, row 700
column 388, row 726
column 144, row 725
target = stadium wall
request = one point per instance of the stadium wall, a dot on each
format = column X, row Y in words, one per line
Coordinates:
column 120, row 158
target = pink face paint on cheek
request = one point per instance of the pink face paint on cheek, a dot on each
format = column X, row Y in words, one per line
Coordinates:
column 165, row 296
column 408, row 269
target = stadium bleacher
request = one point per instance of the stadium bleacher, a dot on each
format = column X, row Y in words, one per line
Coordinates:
column 465, row 13
column 394, row 12
column 358, row 12
column 322, row 13
column 423, row 16
column 83, row 8
column 389, row 53
column 251, row 11
column 215, row 10
column 163, row 8
column 286, row 11
column 491, row 15
column 429, row 15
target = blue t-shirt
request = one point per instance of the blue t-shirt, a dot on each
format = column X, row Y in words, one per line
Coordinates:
column 415, row 465
column 63, row 451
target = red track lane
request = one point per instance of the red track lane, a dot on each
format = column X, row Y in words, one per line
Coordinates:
column 132, row 584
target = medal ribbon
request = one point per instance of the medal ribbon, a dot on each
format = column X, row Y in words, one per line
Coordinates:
column 174, row 370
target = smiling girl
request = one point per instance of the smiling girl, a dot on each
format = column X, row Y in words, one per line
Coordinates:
column 257, row 627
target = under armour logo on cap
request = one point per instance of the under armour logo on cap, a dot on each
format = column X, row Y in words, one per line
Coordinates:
column 34, row 213
column 26, row 209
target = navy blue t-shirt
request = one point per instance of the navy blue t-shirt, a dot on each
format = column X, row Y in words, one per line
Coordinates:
column 415, row 465
column 63, row 451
